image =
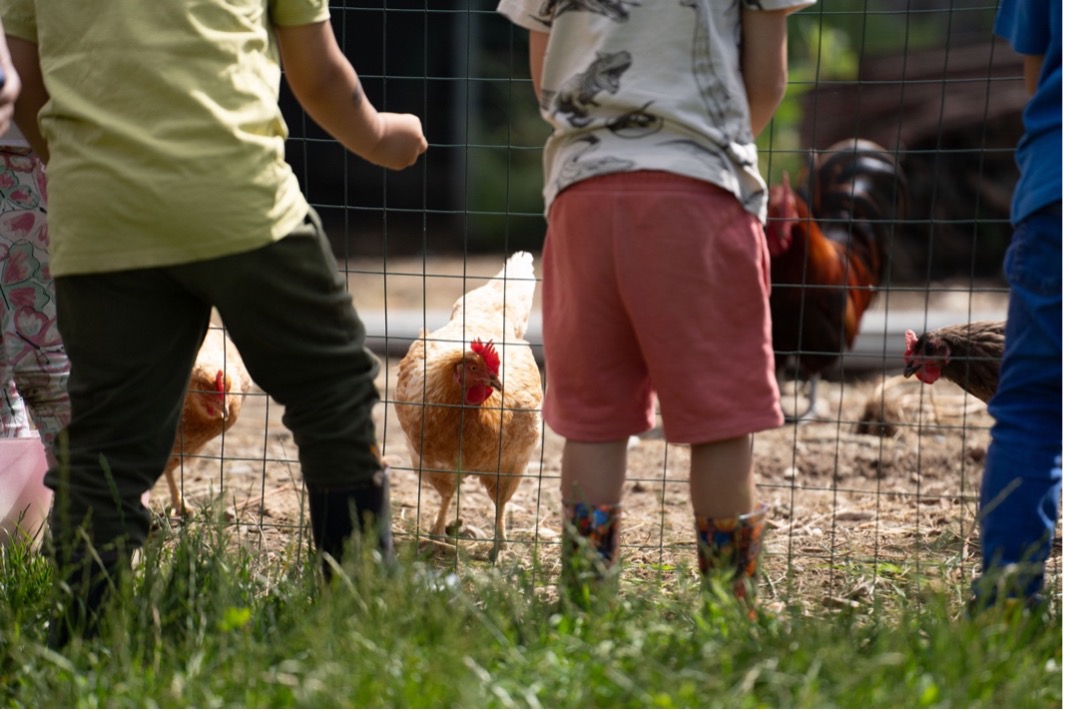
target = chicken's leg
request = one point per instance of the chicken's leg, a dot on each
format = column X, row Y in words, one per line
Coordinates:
column 442, row 514
column 177, row 503
column 500, row 489
column 500, row 537
column 809, row 414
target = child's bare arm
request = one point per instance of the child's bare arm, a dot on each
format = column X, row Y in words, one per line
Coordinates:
column 1032, row 63
column 326, row 85
column 764, row 62
column 538, row 45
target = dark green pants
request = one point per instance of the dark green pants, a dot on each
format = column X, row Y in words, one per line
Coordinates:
column 132, row 337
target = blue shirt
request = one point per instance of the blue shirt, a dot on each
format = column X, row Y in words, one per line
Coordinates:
column 1034, row 27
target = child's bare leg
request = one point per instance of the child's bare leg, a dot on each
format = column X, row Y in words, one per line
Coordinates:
column 593, row 474
column 722, row 479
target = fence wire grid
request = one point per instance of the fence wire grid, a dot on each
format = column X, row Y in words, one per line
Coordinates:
column 877, row 492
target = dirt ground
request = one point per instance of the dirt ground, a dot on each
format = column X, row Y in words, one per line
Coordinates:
column 854, row 510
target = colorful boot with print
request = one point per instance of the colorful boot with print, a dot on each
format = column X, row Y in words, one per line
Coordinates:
column 731, row 545
column 590, row 546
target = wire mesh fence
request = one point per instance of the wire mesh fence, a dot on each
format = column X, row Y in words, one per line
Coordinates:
column 877, row 491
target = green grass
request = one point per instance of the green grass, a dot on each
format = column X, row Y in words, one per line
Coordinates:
column 206, row 623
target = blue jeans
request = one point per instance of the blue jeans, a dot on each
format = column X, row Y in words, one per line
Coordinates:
column 1023, row 472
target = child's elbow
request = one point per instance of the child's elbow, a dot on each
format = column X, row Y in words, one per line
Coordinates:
column 763, row 100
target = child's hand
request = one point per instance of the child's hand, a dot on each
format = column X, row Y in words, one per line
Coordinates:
column 327, row 87
column 401, row 141
column 9, row 91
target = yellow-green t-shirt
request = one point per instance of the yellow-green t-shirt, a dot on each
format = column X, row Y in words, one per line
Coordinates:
column 165, row 136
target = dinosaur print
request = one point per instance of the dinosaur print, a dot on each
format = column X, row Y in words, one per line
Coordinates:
column 577, row 168
column 714, row 95
column 617, row 10
column 636, row 124
column 578, row 95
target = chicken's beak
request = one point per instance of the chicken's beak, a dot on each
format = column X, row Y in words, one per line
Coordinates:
column 911, row 368
column 495, row 382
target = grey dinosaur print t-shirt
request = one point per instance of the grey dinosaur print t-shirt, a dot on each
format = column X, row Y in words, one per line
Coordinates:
column 646, row 85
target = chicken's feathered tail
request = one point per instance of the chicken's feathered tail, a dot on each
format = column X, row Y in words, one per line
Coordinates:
column 510, row 291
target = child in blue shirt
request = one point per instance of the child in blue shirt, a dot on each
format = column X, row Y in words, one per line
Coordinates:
column 1023, row 473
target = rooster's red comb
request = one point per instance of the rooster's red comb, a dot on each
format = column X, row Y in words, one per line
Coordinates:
column 488, row 354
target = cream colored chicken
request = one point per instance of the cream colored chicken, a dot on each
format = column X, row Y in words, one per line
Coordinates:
column 468, row 394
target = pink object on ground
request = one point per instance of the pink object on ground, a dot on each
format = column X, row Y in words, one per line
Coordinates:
column 24, row 499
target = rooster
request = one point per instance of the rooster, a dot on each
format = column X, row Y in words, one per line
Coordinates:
column 967, row 354
column 468, row 395
column 217, row 387
column 827, row 256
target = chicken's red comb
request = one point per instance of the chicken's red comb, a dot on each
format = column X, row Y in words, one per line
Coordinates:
column 488, row 354
column 783, row 202
column 220, row 383
column 912, row 340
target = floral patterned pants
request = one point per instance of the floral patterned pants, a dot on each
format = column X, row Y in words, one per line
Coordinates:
column 33, row 363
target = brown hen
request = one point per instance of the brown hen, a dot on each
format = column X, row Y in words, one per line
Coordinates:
column 213, row 401
column 967, row 354
column 468, row 395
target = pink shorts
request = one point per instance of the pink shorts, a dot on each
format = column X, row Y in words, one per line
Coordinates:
column 656, row 284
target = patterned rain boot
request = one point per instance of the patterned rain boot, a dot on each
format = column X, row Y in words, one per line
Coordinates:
column 590, row 547
column 332, row 512
column 732, row 545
